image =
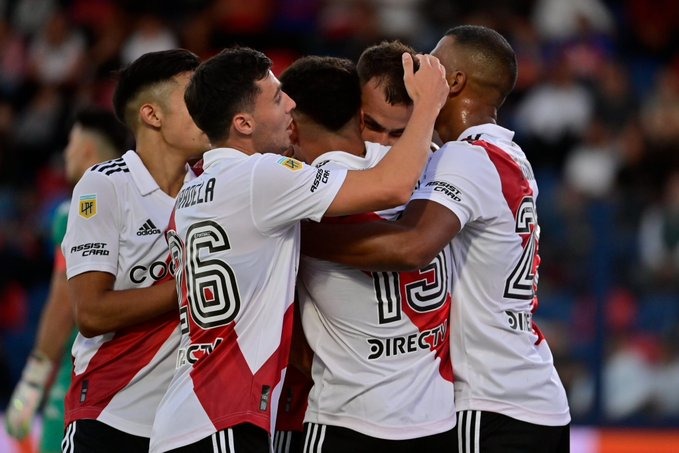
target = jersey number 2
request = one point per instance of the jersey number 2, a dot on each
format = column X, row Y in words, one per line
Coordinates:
column 521, row 282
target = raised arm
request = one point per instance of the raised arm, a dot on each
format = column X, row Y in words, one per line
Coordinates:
column 390, row 183
column 409, row 243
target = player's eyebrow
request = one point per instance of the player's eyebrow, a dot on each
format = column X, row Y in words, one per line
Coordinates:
column 373, row 123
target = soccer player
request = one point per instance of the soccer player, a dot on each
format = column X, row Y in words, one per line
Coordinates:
column 381, row 366
column 117, row 261
column 385, row 104
column 477, row 196
column 235, row 245
column 384, row 99
column 95, row 136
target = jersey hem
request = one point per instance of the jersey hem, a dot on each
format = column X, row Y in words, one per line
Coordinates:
column 93, row 413
column 518, row 413
column 381, row 432
column 185, row 438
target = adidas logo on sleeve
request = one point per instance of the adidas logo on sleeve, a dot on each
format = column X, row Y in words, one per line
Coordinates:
column 148, row 228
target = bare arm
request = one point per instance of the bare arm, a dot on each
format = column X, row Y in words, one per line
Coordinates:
column 409, row 243
column 99, row 309
column 56, row 320
column 56, row 325
column 390, row 183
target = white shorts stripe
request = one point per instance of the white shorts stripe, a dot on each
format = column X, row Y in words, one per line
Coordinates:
column 460, row 424
column 67, row 442
column 477, row 432
column 232, row 445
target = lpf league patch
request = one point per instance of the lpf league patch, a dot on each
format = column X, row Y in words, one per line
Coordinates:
column 88, row 206
column 290, row 163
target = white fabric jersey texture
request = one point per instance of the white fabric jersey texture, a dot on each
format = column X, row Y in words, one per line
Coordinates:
column 381, row 362
column 117, row 218
column 235, row 245
column 502, row 362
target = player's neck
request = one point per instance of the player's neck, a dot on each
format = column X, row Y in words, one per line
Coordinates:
column 167, row 167
column 454, row 124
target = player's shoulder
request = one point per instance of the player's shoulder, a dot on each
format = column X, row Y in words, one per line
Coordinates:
column 278, row 162
column 109, row 176
column 111, row 168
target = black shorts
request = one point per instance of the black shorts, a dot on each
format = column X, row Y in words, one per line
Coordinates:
column 490, row 432
column 245, row 438
column 288, row 442
column 92, row 436
column 335, row 439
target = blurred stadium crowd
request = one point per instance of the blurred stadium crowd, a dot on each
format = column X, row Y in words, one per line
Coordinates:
column 596, row 109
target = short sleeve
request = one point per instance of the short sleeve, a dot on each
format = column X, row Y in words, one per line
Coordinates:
column 458, row 177
column 92, row 234
column 286, row 190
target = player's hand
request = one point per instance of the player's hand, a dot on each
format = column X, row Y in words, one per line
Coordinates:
column 27, row 396
column 429, row 83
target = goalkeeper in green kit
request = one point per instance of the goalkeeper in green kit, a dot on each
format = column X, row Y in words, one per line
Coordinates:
column 96, row 136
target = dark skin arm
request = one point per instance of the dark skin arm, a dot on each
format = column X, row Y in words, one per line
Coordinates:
column 100, row 309
column 406, row 244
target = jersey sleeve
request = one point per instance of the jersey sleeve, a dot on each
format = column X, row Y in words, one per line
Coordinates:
column 285, row 191
column 92, row 234
column 460, row 177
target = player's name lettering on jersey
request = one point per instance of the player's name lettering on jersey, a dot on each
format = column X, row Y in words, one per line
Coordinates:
column 321, row 177
column 91, row 248
column 450, row 190
column 520, row 321
column 196, row 193
column 389, row 347
column 195, row 352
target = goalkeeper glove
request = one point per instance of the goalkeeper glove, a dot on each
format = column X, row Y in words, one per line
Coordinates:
column 28, row 395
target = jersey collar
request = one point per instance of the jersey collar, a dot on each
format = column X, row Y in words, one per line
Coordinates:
column 140, row 174
column 490, row 129
column 210, row 157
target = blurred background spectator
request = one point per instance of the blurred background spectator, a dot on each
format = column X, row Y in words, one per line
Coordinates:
column 596, row 109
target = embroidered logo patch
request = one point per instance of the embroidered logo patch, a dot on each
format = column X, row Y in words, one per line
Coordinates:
column 88, row 206
column 290, row 163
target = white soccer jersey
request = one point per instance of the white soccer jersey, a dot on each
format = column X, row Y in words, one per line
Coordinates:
column 116, row 222
column 501, row 360
column 381, row 362
column 235, row 245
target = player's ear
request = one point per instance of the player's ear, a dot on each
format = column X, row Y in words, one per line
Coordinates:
column 362, row 120
column 149, row 113
column 243, row 123
column 456, row 81
column 294, row 133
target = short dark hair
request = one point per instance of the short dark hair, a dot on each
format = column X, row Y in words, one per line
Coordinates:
column 499, row 57
column 223, row 86
column 383, row 62
column 326, row 89
column 148, row 70
column 104, row 123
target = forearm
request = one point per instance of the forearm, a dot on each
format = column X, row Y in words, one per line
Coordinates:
column 408, row 156
column 376, row 246
column 109, row 310
column 56, row 320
